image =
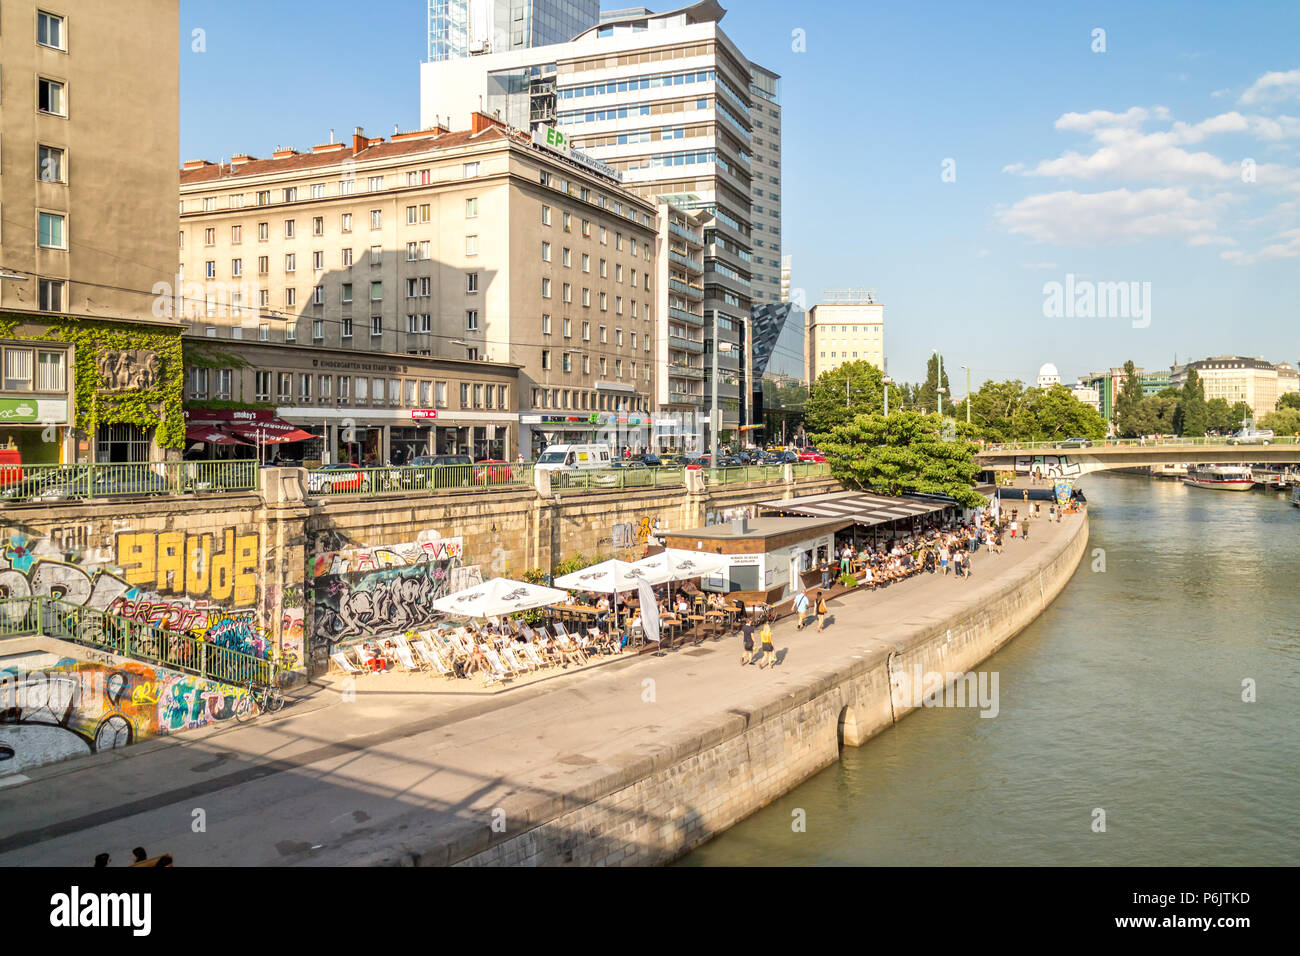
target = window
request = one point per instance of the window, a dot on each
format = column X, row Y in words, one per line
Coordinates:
column 347, row 258
column 471, row 208
column 318, row 261
column 376, row 219
column 346, row 188
column 318, row 329
column 291, row 194
column 546, row 215
column 49, row 167
column 318, row 295
column 546, row 288
column 49, row 30
column 478, row 396
column 618, row 273
column 471, row 282
column 441, row 394
column 198, row 380
column 471, row 320
column 323, row 383
column 375, row 183
column 51, row 295
column 363, row 388
column 236, row 268
column 464, row 394
column 586, row 331
column 288, row 228
column 304, row 387
column 546, row 324
column 262, row 386
column 376, row 291
column 568, row 328
column 376, row 326
column 586, row 227
column 209, row 269
column 290, row 262
column 418, row 324
column 318, row 226
column 469, row 170
column 394, row 392
column 618, row 337
column 263, row 266
column 347, row 326
column 586, row 298
column 264, row 332
column 318, row 191
column 52, row 231
column 263, row 231
column 471, row 245
column 347, row 222
column 568, row 292
column 586, row 262
column 586, row 367
column 290, row 327
column 566, row 259
column 604, row 269
column 567, row 222
column 546, row 359
column 412, row 215
column 603, row 337
column 50, row 98
column 236, row 235
column 566, row 362
column 345, row 388
column 604, row 302
column 546, row 252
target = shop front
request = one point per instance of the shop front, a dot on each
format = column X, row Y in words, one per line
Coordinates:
column 627, row 434
column 261, row 434
column 37, row 428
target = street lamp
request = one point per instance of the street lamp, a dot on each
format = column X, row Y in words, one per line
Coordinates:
column 967, row 368
column 939, row 391
column 939, row 381
column 887, row 382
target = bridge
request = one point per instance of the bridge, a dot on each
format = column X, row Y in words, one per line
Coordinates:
column 1053, row 460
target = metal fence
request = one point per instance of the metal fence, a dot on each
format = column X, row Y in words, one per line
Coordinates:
column 742, row 474
column 606, row 478
column 1217, row 442
column 51, row 617
column 390, row 479
column 42, row 483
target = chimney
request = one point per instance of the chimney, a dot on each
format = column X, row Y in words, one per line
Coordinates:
column 331, row 135
column 359, row 141
column 284, row 153
column 739, row 526
column 240, row 159
column 481, row 121
column 197, row 164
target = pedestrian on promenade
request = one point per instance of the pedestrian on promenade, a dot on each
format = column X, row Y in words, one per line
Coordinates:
column 826, row 574
column 943, row 558
column 1026, row 497
column 801, row 608
column 958, row 562
column 1025, row 533
column 769, row 651
column 1015, row 526
column 821, row 612
column 747, row 637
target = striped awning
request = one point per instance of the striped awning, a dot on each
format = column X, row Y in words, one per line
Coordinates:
column 861, row 507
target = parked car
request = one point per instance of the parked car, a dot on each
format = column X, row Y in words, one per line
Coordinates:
column 810, row 454
column 492, row 471
column 652, row 460
column 780, row 458
column 672, row 460
column 341, row 477
column 700, row 461
column 1252, row 436
column 424, row 461
column 1077, row 442
column 130, row 481
column 625, row 473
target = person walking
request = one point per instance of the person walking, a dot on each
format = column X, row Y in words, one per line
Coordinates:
column 943, row 558
column 1015, row 526
column 768, row 650
column 747, row 638
column 826, row 573
column 1024, row 533
column 801, row 608
column 821, row 612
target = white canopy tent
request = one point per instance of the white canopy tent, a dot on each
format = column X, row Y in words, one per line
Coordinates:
column 496, row 597
column 675, row 565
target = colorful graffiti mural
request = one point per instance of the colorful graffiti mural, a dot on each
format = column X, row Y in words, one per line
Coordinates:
column 173, row 562
column 631, row 534
column 385, row 590
column 74, row 708
column 1048, row 466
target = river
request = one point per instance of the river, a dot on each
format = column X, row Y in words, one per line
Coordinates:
column 1125, row 696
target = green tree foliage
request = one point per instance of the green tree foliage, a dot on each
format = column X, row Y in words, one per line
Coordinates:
column 1224, row 418
column 830, row 404
column 1284, row 421
column 993, row 408
column 1127, row 401
column 926, row 395
column 1191, row 419
column 1289, row 400
column 1051, row 414
column 1153, row 415
column 907, row 451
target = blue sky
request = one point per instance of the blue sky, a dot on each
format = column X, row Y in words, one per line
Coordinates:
column 1117, row 166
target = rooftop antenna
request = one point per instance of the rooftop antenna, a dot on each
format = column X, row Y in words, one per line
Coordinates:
column 331, row 136
column 395, row 129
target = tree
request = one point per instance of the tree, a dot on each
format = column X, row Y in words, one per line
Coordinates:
column 1288, row 400
column 1284, row 421
column 1218, row 416
column 993, row 409
column 1154, row 415
column 927, row 395
column 829, row 404
column 905, row 452
column 1127, row 401
column 1191, row 418
column 1052, row 414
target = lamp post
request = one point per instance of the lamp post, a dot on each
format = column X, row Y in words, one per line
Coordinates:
column 967, row 368
column 887, row 382
column 939, row 391
column 939, row 381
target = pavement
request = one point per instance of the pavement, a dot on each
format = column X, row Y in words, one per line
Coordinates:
column 341, row 778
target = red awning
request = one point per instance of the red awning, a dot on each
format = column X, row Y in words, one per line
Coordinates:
column 211, row 435
column 273, row 431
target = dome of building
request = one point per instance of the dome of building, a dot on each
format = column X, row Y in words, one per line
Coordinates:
column 1049, row 371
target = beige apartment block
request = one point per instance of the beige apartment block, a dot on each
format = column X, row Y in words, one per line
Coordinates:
column 475, row 246
column 89, row 127
column 1234, row 378
column 847, row 331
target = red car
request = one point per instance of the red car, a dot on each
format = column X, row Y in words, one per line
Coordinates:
column 701, row 462
column 341, row 477
column 491, row 471
column 811, row 454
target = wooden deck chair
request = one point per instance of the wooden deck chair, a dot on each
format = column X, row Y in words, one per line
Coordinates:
column 568, row 647
column 435, row 662
column 345, row 665
column 535, row 658
column 405, row 657
column 513, row 662
column 498, row 670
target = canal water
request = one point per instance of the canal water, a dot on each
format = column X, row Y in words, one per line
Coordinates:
column 1125, row 697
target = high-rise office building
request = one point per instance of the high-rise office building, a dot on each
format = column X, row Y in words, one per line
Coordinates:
column 765, row 185
column 460, row 28
column 667, row 101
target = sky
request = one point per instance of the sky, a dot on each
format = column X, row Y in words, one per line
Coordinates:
column 956, row 158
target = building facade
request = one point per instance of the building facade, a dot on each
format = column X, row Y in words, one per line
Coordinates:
column 395, row 267
column 1048, row 376
column 768, row 267
column 89, row 231
column 664, row 99
column 849, row 327
column 1234, row 378
column 681, row 401
column 460, row 28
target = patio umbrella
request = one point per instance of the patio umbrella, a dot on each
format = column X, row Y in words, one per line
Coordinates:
column 496, row 597
column 610, row 577
column 677, row 565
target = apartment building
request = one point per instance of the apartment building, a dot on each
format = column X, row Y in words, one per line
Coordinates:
column 849, row 327
column 431, row 257
column 681, row 398
column 1235, row 378
column 665, row 100
column 89, row 228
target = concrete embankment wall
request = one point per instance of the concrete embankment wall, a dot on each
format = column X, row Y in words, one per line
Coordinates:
column 653, row 809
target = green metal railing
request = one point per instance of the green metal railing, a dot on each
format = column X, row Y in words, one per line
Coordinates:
column 40, row 615
column 42, row 483
column 391, row 479
column 618, row 478
column 1058, row 445
column 741, row 474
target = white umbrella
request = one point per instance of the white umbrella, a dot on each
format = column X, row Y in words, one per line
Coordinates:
column 496, row 597
column 677, row 565
column 610, row 577
column 649, row 612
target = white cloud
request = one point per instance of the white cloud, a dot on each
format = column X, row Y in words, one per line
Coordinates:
column 1289, row 248
column 1273, row 87
column 1119, row 215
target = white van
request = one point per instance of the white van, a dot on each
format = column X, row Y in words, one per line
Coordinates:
column 573, row 458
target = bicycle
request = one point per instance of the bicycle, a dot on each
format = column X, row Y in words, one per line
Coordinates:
column 259, row 699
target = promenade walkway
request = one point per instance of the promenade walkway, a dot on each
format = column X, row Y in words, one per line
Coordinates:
column 335, row 782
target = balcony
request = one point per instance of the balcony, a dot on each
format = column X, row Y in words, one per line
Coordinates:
column 680, row 397
column 693, row 292
column 693, row 238
column 685, row 344
column 690, row 318
column 685, row 371
column 686, row 261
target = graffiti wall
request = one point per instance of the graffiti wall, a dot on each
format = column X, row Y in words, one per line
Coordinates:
column 1048, row 466
column 385, row 590
column 75, row 708
column 204, row 584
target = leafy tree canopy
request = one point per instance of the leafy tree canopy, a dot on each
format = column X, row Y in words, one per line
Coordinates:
column 840, row 394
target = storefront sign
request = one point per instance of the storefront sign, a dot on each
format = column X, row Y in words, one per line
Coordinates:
column 422, row 414
column 46, row 411
column 594, row 420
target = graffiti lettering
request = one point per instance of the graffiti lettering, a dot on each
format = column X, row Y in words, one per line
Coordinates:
column 187, row 564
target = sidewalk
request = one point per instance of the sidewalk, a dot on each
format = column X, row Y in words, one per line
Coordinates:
column 343, row 781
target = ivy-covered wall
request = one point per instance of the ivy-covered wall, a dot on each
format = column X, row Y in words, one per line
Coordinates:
column 92, row 338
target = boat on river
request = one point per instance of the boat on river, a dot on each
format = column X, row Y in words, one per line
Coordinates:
column 1221, row 477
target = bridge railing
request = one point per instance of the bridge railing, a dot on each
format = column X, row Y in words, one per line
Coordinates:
column 1216, row 442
